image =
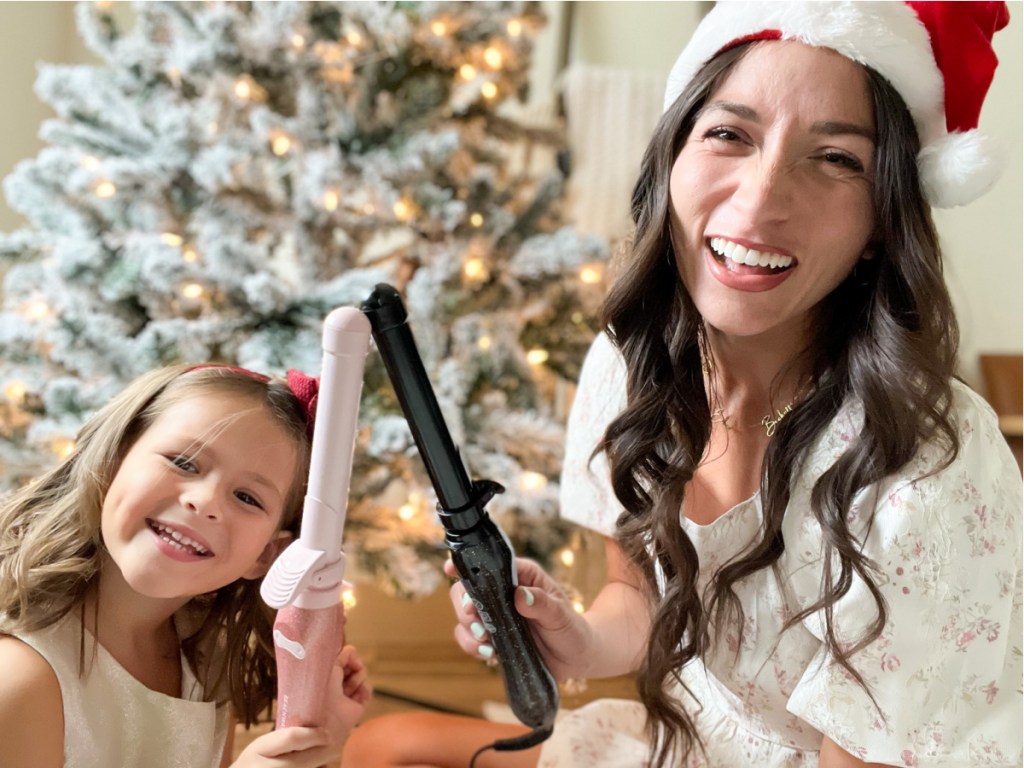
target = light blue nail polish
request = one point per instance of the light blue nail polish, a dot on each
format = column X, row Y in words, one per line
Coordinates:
column 466, row 599
column 477, row 629
column 527, row 595
column 486, row 651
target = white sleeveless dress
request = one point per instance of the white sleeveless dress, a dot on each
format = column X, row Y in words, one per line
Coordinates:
column 111, row 720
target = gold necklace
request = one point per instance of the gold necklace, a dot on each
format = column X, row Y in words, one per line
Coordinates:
column 770, row 421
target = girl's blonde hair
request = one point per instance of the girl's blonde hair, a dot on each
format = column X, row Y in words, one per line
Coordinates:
column 51, row 544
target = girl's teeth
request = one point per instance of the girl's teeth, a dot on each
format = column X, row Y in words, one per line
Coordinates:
column 179, row 540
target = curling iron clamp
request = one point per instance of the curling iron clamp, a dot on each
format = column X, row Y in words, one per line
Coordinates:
column 305, row 582
column 481, row 552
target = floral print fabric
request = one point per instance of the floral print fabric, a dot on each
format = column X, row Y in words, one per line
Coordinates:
column 945, row 672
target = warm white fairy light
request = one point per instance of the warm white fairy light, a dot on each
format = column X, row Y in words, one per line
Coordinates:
column 493, row 58
column 331, row 200
column 577, row 317
column 190, row 254
column 171, row 239
column 537, row 356
column 488, row 90
column 280, row 143
column 193, row 291
column 514, row 27
column 475, row 269
column 105, row 189
column 348, row 598
column 89, row 162
column 243, row 87
column 37, row 309
column 476, row 219
column 403, row 210
column 407, row 512
column 484, row 343
column 354, row 38
column 298, row 41
column 568, row 557
column 15, row 392
column 439, row 28
column 369, row 209
column 467, row 71
column 532, row 481
column 591, row 274
column 578, row 606
column 63, row 447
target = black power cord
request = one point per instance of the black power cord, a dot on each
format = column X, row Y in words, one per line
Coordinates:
column 526, row 741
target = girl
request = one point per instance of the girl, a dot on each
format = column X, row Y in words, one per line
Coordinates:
column 816, row 559
column 129, row 583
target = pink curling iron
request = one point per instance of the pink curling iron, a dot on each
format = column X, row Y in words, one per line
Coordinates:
column 305, row 582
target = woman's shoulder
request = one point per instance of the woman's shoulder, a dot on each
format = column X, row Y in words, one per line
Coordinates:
column 31, row 709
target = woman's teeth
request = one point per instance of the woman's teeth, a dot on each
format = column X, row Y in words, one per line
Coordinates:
column 178, row 540
column 743, row 255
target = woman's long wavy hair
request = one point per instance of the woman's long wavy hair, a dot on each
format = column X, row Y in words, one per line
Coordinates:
column 51, row 547
column 887, row 337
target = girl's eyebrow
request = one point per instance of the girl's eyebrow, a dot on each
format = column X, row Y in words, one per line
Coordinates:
column 822, row 127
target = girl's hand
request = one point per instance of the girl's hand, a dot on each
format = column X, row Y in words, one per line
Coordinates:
column 297, row 747
column 563, row 637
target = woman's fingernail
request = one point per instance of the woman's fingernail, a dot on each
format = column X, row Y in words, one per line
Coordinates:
column 527, row 595
column 477, row 629
column 486, row 651
column 466, row 599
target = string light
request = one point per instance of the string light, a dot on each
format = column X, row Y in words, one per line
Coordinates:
column 37, row 309
column 89, row 162
column 280, row 143
column 190, row 254
column 407, row 512
column 489, row 90
column 577, row 317
column 193, row 291
column 105, row 189
column 467, row 71
column 354, row 38
column 475, row 269
column 331, row 200
column 577, row 605
column 243, row 88
column 476, row 219
column 568, row 557
column 15, row 391
column 591, row 274
column 439, row 28
column 537, row 356
column 171, row 239
column 63, row 447
column 532, row 481
column 484, row 343
column 369, row 209
column 348, row 598
column 298, row 42
column 514, row 27
column 403, row 210
column 493, row 58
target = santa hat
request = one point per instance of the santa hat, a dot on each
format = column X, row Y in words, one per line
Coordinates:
column 937, row 55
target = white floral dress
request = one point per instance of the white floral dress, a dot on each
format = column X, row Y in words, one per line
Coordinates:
column 946, row 671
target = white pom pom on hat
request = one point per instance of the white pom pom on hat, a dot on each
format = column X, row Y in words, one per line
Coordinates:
column 937, row 55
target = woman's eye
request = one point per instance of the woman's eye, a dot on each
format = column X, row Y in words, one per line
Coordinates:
column 249, row 499
column 722, row 133
column 843, row 160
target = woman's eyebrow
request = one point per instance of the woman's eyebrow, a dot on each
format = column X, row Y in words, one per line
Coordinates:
column 740, row 110
column 839, row 128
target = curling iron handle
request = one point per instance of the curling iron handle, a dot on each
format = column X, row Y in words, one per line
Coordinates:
column 484, row 561
column 306, row 643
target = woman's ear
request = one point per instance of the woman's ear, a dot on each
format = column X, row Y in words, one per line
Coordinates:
column 270, row 552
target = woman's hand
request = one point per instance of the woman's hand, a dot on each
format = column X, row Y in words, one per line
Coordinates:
column 299, row 747
column 563, row 637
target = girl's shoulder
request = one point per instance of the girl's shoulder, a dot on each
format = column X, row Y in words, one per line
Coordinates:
column 31, row 710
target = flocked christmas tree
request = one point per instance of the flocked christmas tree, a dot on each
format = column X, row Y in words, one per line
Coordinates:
column 231, row 172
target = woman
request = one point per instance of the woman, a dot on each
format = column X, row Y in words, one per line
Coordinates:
column 816, row 554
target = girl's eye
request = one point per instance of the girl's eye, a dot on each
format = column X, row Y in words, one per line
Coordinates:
column 184, row 463
column 249, row 499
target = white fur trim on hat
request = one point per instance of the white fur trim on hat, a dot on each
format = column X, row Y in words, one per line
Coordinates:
column 886, row 36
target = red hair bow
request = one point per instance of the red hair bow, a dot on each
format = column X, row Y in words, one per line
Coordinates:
column 306, row 388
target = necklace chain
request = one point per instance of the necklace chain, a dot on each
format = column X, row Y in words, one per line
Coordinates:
column 769, row 422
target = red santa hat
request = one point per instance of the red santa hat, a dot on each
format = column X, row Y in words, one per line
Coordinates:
column 937, row 55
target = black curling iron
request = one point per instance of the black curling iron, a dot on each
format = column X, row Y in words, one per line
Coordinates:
column 481, row 552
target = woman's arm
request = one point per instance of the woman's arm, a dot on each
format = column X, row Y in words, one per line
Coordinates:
column 31, row 708
column 834, row 756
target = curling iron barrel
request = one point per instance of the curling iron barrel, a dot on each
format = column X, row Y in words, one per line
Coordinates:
column 481, row 552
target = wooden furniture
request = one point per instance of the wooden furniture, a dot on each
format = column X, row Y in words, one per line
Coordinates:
column 1003, row 375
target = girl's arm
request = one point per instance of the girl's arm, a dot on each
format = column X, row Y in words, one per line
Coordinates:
column 31, row 708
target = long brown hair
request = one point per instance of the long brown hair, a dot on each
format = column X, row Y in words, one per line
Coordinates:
column 51, row 545
column 888, row 339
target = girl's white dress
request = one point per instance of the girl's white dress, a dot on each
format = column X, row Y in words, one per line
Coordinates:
column 946, row 671
column 111, row 720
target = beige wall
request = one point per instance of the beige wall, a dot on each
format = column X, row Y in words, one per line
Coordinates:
column 984, row 242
